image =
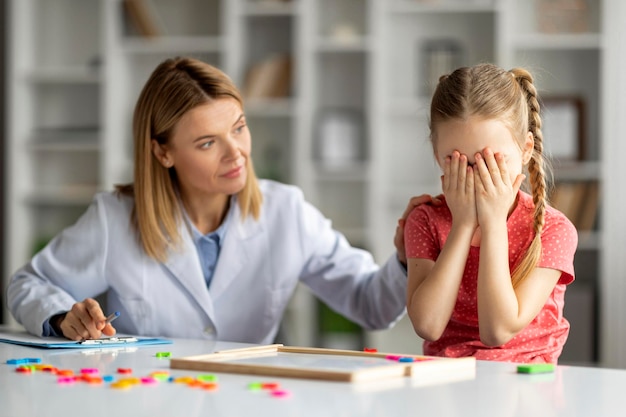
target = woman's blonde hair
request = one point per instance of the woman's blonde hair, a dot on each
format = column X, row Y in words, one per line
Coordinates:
column 490, row 92
column 175, row 86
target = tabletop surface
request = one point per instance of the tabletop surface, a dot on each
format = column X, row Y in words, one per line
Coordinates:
column 495, row 390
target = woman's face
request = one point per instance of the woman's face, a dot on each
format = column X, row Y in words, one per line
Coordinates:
column 209, row 149
column 473, row 135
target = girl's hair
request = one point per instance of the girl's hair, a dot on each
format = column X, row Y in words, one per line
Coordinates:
column 175, row 86
column 490, row 92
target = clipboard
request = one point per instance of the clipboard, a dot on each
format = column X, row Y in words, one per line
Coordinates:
column 26, row 339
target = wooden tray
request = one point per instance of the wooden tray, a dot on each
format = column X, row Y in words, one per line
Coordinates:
column 324, row 364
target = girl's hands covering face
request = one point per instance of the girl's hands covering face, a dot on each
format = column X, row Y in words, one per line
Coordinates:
column 495, row 193
column 458, row 188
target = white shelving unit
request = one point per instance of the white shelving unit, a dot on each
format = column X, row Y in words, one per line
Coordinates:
column 54, row 124
column 70, row 112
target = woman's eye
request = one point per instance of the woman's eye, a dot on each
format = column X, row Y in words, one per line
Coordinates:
column 207, row 144
column 239, row 129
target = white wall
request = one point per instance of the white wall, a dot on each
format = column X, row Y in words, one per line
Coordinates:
column 613, row 273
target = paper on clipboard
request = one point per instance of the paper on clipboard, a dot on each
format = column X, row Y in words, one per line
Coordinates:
column 26, row 339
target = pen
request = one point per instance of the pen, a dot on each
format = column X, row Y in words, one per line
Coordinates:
column 112, row 317
column 108, row 320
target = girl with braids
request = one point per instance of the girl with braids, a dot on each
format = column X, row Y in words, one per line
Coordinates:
column 488, row 268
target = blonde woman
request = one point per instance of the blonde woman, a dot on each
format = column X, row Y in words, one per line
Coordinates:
column 196, row 246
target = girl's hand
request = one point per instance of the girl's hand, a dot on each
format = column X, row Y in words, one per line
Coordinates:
column 495, row 193
column 85, row 321
column 458, row 187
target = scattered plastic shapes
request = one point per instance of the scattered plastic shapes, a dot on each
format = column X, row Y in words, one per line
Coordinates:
column 209, row 386
column 270, row 385
column 536, row 368
column 148, row 380
column 160, row 375
column 207, row 378
column 120, row 385
column 255, row 386
column 280, row 393
column 66, row 380
column 65, row 372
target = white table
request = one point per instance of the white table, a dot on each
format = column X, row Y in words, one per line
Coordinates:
column 497, row 390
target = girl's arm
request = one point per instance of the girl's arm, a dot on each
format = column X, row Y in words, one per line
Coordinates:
column 502, row 310
column 433, row 287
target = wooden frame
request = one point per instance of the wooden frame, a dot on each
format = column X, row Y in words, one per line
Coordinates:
column 563, row 128
column 325, row 364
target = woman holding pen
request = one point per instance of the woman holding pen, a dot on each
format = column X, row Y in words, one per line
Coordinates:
column 197, row 246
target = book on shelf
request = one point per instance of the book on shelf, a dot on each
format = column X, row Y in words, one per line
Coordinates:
column 578, row 201
column 69, row 134
column 269, row 78
column 589, row 209
column 143, row 17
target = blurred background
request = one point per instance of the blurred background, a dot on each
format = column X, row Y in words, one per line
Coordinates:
column 337, row 95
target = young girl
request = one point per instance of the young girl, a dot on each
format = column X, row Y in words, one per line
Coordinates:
column 488, row 268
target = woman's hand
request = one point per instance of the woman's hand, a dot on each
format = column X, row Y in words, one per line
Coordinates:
column 495, row 193
column 84, row 321
column 458, row 187
column 398, row 239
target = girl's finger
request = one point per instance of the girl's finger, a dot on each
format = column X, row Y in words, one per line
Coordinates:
column 492, row 166
column 503, row 168
column 518, row 182
column 446, row 174
column 454, row 170
column 469, row 183
column 483, row 174
column 479, row 187
column 462, row 172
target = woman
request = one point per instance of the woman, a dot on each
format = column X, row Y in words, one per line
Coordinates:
column 197, row 247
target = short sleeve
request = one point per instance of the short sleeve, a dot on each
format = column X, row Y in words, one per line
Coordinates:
column 559, row 241
column 420, row 238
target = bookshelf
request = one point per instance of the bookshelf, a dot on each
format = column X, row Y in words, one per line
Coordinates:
column 54, row 119
column 355, row 66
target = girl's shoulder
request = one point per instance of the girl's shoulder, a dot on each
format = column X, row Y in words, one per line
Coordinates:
column 552, row 215
column 430, row 213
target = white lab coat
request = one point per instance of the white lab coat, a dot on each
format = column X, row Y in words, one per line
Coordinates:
column 259, row 265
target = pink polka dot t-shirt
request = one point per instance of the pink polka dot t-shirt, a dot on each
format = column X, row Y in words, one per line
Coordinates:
column 426, row 231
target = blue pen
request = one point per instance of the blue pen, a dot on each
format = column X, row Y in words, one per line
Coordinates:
column 112, row 317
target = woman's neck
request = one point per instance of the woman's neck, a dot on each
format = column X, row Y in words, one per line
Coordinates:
column 206, row 212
